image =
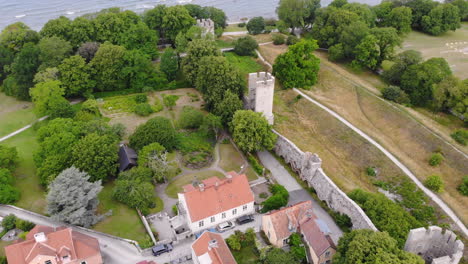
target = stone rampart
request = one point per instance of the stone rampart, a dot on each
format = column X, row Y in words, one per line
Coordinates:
column 308, row 167
column 435, row 245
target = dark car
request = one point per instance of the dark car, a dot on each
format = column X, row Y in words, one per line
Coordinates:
column 160, row 249
column 245, row 219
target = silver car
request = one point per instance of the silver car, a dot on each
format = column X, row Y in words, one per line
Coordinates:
column 225, row 226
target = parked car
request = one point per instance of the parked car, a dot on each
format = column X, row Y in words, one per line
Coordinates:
column 225, row 226
column 245, row 219
column 160, row 249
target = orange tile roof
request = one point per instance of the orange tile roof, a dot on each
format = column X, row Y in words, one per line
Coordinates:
column 287, row 220
column 60, row 242
column 219, row 254
column 219, row 195
column 319, row 241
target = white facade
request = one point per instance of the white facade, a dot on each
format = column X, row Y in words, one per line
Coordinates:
column 261, row 91
column 214, row 220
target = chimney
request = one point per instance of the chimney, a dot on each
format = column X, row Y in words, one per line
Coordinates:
column 212, row 244
column 40, row 237
column 201, row 186
column 216, row 185
column 229, row 177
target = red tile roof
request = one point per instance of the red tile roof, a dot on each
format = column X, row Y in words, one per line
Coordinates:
column 319, row 241
column 60, row 242
column 219, row 253
column 218, row 195
column 288, row 219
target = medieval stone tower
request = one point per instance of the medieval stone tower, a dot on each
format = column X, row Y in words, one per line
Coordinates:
column 260, row 97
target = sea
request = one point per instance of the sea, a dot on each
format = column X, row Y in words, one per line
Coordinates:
column 35, row 13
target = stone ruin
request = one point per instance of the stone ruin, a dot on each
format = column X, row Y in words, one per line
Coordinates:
column 260, row 97
column 207, row 26
column 308, row 166
column 435, row 245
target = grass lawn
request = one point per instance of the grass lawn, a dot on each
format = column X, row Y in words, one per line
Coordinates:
column 245, row 64
column 14, row 114
column 3, row 244
column 224, row 43
column 124, row 221
column 234, row 28
column 231, row 160
column 452, row 46
column 176, row 186
column 32, row 194
column 247, row 255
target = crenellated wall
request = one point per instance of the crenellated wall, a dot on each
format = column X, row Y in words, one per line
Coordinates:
column 308, row 167
column 435, row 245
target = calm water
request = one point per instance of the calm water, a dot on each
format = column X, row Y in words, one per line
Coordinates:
column 36, row 13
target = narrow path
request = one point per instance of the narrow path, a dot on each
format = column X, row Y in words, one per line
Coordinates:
column 429, row 193
column 22, row 129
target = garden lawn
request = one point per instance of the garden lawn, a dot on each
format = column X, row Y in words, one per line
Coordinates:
column 124, row 221
column 175, row 186
column 231, row 160
column 32, row 194
column 245, row 64
column 234, row 28
column 247, row 255
column 14, row 114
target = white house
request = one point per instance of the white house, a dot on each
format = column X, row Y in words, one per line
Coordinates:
column 215, row 201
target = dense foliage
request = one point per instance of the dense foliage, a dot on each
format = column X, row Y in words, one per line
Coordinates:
column 435, row 183
column 245, row 46
column 279, row 198
column 158, row 129
column 8, row 162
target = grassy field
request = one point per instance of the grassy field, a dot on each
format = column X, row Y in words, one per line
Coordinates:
column 453, row 46
column 234, row 28
column 247, row 255
column 14, row 114
column 175, row 186
column 124, row 221
column 245, row 64
column 231, row 160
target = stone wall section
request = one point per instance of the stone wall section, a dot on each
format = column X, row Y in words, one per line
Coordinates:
column 308, row 166
column 435, row 245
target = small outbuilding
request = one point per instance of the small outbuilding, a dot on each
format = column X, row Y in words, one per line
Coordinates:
column 127, row 158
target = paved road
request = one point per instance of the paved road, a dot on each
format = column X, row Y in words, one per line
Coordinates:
column 296, row 192
column 429, row 193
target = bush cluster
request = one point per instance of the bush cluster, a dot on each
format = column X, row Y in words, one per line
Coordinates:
column 435, row 183
column 463, row 188
column 279, row 198
column 395, row 94
column 11, row 221
column 461, row 136
column 143, row 109
column 256, row 166
column 278, row 39
column 436, row 159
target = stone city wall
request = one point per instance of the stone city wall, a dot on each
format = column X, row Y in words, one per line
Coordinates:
column 435, row 245
column 308, row 167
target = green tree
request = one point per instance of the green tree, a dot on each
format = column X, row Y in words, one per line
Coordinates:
column 169, row 64
column 215, row 77
column 154, row 18
column 195, row 51
column 351, row 36
column 139, row 72
column 176, row 19
column 6, row 178
column 217, row 15
column 297, row 248
column 49, row 74
column 75, row 76
column 52, row 51
column 297, row 13
column 450, row 95
column 158, row 129
column 48, row 98
column 462, row 8
column 278, row 256
column 81, row 31
column 419, row 9
column 394, row 93
column 251, row 131
column 245, row 46
column 401, row 64
column 435, row 183
column 109, row 26
column 212, row 125
column 298, row 67
column 463, row 188
column 6, row 58
column 364, row 12
column 16, row 35
column 226, row 108
column 367, row 246
column 9, row 222
column 59, row 27
column 190, row 118
column 23, row 69
column 9, row 194
column 256, row 25
column 367, row 53
column 387, row 40
column 140, row 36
column 135, row 193
column 184, row 38
column 8, row 157
column 107, row 67
column 400, row 19
column 97, row 155
column 330, row 23
column 87, row 50
column 441, row 19
column 148, row 151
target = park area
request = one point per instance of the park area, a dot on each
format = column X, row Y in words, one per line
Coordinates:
column 452, row 46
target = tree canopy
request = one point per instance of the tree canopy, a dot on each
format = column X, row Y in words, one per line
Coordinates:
column 297, row 13
column 158, row 129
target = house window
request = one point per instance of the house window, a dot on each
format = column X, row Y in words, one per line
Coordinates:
column 234, row 211
column 223, row 215
column 212, row 219
column 48, row 262
column 84, row 262
column 200, row 224
column 244, row 207
column 65, row 257
column 327, row 254
column 285, row 242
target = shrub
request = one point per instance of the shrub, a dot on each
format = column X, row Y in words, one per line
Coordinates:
column 245, row 46
column 395, row 94
column 371, row 171
column 256, row 25
column 255, row 164
column 158, row 106
column 278, row 39
column 270, row 22
column 435, row 183
column 190, row 118
column 9, row 222
column 175, row 210
column 8, row 194
column 463, row 188
column 158, row 129
column 24, row 225
column 3, row 260
column 8, row 157
column 436, row 159
column 143, row 109
column 233, row 242
column 141, row 98
column 291, row 40
column 170, row 100
column 460, row 136
column 342, row 220
column 279, row 198
column 241, row 25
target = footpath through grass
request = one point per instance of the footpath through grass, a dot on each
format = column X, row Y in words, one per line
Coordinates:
column 14, row 114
